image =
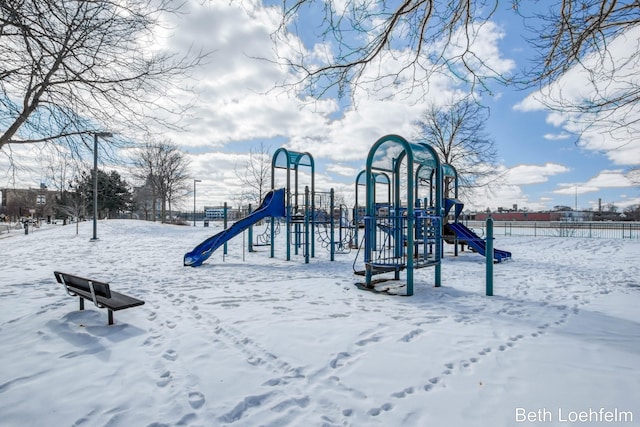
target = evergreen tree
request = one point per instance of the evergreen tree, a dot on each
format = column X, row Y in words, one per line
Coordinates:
column 114, row 195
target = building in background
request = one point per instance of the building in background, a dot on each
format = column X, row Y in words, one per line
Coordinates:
column 35, row 203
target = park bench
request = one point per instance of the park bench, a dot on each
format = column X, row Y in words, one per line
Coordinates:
column 98, row 292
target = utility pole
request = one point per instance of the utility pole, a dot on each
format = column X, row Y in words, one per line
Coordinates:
column 194, row 200
column 95, row 180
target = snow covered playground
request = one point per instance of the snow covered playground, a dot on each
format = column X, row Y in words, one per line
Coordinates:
column 263, row 339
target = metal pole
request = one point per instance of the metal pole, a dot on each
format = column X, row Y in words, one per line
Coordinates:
column 95, row 180
column 489, row 257
column 194, row 200
column 250, row 238
column 95, row 187
column 224, row 224
column 332, row 228
column 306, row 224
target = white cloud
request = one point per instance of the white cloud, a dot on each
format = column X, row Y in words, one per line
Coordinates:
column 487, row 59
column 504, row 196
column 557, row 136
column 614, row 134
column 534, row 174
column 605, row 179
column 507, row 193
column 342, row 170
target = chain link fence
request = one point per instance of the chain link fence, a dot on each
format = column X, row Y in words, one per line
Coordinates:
column 589, row 229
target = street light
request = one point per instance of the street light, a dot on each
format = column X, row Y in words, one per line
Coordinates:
column 194, row 200
column 95, row 180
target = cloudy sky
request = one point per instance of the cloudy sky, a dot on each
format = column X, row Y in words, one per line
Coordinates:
column 238, row 108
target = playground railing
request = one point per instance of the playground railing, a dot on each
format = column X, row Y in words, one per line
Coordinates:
column 584, row 229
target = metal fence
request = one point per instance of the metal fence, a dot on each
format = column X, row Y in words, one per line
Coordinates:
column 592, row 229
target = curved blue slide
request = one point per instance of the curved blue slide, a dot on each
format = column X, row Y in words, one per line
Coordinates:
column 271, row 206
column 477, row 242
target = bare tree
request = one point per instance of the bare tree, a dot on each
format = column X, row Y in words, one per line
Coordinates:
column 255, row 174
column 457, row 132
column 72, row 203
column 70, row 68
column 176, row 177
column 61, row 174
column 163, row 167
column 144, row 199
column 633, row 212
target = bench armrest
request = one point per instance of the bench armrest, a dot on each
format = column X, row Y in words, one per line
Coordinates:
column 93, row 295
column 73, row 293
column 69, row 291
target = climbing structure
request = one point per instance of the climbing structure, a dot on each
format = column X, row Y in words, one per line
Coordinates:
column 299, row 203
column 405, row 232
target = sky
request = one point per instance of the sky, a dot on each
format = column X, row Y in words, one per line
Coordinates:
column 239, row 107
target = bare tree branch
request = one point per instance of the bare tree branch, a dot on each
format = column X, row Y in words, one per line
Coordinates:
column 575, row 39
column 424, row 39
column 368, row 45
column 73, row 67
column 255, row 174
column 164, row 168
column 457, row 132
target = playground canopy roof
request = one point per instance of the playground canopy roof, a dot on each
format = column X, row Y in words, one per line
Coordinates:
column 448, row 170
column 285, row 159
column 383, row 178
column 391, row 149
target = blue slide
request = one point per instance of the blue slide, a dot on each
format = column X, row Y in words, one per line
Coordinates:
column 272, row 206
column 476, row 242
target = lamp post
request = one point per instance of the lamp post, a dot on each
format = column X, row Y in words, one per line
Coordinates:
column 95, row 180
column 194, row 200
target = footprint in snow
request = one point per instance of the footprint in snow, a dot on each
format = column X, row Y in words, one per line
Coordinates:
column 485, row 351
column 196, row 399
column 170, row 355
column 432, row 381
column 374, row 412
column 403, row 393
column 411, row 335
column 337, row 361
column 165, row 379
column 366, row 341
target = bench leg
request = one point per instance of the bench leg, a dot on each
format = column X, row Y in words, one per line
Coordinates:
column 81, row 303
column 111, row 317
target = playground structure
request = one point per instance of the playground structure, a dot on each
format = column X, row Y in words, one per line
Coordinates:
column 403, row 218
column 405, row 232
column 301, row 210
column 298, row 204
column 308, row 213
column 334, row 228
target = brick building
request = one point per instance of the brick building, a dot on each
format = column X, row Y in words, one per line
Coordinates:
column 27, row 203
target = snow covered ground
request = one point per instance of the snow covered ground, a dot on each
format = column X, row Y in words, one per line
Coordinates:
column 275, row 343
